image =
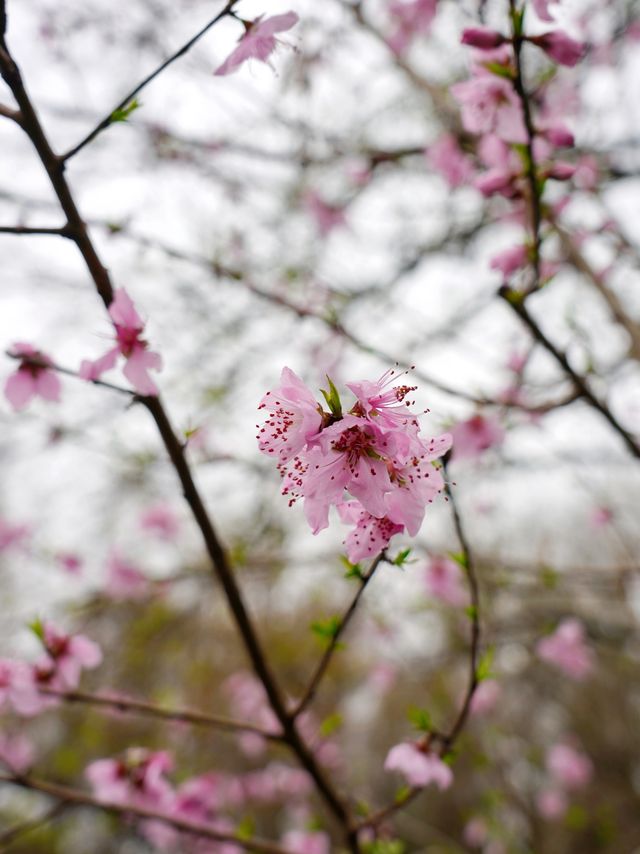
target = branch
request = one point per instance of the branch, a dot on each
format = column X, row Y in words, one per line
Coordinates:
column 108, row 119
column 79, row 798
column 176, row 452
column 11, row 834
column 53, row 366
column 140, row 707
column 325, row 661
column 23, row 229
column 516, row 301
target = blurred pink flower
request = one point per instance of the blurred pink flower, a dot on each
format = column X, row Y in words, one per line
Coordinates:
column 560, row 47
column 475, row 832
column 124, row 580
column 412, row 19
column 16, row 752
column 258, row 41
column 510, row 260
column 601, row 517
column 12, row 535
column 542, row 8
column 32, row 378
column 18, row 688
column 486, row 697
column 475, row 435
column 419, row 768
column 161, row 520
column 566, row 649
column 326, row 216
column 307, row 842
column 569, row 767
column 447, row 158
column 140, row 360
column 444, row 580
column 490, row 106
column 482, row 38
column 70, row 562
column 67, row 657
column 552, row 804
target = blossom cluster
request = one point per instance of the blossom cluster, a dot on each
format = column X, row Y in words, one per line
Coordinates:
column 374, row 454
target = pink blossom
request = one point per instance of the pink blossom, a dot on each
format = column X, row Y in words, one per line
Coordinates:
column 294, row 418
column 419, row 768
column 566, row 649
column 510, row 260
column 560, row 136
column 258, row 41
column 140, row 360
column 32, row 378
column 370, row 534
column 475, row 435
column 16, row 752
column 18, row 689
column 386, row 405
column 413, row 18
column 569, row 767
column 160, row 520
column 137, row 779
column 560, row 47
column 601, row 517
column 444, row 581
column 67, row 657
column 490, row 106
column 475, row 832
column 124, row 580
column 326, row 216
column 71, row 563
column 307, row 842
column 447, row 158
column 552, row 804
column 486, row 697
column 542, row 8
column 482, row 38
column 11, row 535
column 383, row 677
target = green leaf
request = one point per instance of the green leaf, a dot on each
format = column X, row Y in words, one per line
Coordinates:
column 384, row 846
column 483, row 670
column 37, row 627
column 460, row 558
column 246, row 828
column 576, row 817
column 326, row 629
column 402, row 794
column 420, row 718
column 401, row 558
column 330, row 724
column 471, row 611
column 333, row 399
column 122, row 114
column 499, row 70
column 353, row 570
column 549, row 577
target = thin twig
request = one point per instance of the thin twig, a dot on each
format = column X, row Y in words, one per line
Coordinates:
column 79, row 798
column 332, row 646
column 140, row 707
column 9, row 836
column 59, row 369
column 62, row 231
column 108, row 119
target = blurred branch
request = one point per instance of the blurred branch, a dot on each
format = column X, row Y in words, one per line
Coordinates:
column 139, row 707
column 23, row 229
column 333, row 645
column 9, row 836
column 516, row 301
column 52, row 366
column 109, row 118
column 76, row 797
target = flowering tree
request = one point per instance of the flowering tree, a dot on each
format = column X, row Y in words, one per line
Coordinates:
column 337, row 215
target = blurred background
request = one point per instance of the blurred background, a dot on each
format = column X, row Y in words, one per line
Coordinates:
column 300, row 215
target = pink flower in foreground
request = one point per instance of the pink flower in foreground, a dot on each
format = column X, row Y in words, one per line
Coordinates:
column 444, row 580
column 569, row 767
column 32, row 378
column 160, row 519
column 566, row 649
column 370, row 534
column 258, row 42
column 552, row 804
column 419, row 768
column 17, row 688
column 140, row 360
column 307, row 842
column 11, row 535
column 560, row 47
column 16, row 752
column 294, row 418
column 67, row 657
column 474, row 436
column 447, row 158
column 412, row 19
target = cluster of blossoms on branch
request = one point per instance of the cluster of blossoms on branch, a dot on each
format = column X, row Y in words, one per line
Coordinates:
column 374, row 454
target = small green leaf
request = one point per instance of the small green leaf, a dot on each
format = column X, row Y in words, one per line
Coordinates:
column 353, row 570
column 576, row 817
column 471, row 611
column 37, row 627
column 549, row 577
column 460, row 558
column 246, row 828
column 330, row 724
column 326, row 629
column 498, row 69
column 333, row 399
column 122, row 114
column 401, row 558
column 483, row 670
column 420, row 718
column 402, row 794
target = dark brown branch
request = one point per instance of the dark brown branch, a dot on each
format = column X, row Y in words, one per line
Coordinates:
column 176, row 452
column 139, row 707
column 109, row 119
column 79, row 798
column 24, row 229
column 327, row 656
column 516, row 301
